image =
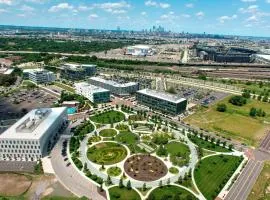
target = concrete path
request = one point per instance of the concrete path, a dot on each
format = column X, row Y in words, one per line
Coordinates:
column 70, row 177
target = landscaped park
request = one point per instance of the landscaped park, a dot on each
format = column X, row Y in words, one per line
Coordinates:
column 151, row 159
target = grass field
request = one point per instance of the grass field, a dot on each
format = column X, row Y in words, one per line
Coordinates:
column 235, row 123
column 206, row 144
column 117, row 193
column 108, row 117
column 170, row 193
column 260, row 190
column 65, row 87
column 176, row 148
column 108, row 133
column 212, row 173
column 106, row 153
column 127, row 137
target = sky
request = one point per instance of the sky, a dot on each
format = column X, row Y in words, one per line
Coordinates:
column 229, row 17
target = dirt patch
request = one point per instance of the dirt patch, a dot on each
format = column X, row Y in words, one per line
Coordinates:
column 145, row 168
column 14, row 184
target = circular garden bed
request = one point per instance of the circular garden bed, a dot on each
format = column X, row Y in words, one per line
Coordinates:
column 145, row 168
column 114, row 171
column 107, row 153
column 108, row 133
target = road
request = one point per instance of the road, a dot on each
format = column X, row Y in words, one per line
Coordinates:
column 70, row 177
column 246, row 180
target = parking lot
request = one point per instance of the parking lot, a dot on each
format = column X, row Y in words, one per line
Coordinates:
column 17, row 104
column 199, row 96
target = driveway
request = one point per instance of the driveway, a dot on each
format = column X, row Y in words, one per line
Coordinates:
column 70, row 177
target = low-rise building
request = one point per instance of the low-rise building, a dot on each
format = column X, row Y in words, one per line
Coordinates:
column 93, row 93
column 77, row 71
column 140, row 50
column 119, row 89
column 39, row 76
column 30, row 137
column 164, row 102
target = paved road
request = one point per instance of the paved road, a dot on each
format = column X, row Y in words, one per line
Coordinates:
column 70, row 177
column 243, row 186
column 246, row 180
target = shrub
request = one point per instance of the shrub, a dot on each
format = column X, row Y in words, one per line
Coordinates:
column 238, row 100
column 222, row 107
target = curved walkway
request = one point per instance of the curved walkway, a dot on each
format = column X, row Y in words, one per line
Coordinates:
column 70, row 177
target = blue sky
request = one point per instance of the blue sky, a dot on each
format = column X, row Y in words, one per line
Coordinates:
column 236, row 17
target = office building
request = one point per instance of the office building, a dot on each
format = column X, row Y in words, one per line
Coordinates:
column 164, row 102
column 39, row 76
column 28, row 139
column 93, row 93
column 139, row 50
column 77, row 71
column 119, row 89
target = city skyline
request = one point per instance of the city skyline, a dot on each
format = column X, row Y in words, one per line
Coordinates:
column 233, row 17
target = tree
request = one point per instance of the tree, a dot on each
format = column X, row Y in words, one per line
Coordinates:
column 222, row 107
column 238, row 100
column 144, row 187
column 160, row 184
column 168, row 181
column 129, row 185
column 253, row 112
column 121, row 185
column 180, row 180
column 246, row 94
column 109, row 180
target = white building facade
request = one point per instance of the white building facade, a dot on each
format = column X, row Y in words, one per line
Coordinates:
column 93, row 93
column 40, row 76
column 28, row 138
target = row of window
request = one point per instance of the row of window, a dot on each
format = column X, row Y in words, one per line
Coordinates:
column 20, row 146
column 17, row 142
column 19, row 151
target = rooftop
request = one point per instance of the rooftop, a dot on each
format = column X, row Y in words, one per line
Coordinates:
column 93, row 88
column 34, row 124
column 162, row 95
column 113, row 83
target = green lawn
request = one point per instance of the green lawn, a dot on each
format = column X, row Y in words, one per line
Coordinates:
column 108, row 133
column 108, row 117
column 65, row 87
column 117, row 193
column 127, row 137
column 171, row 193
column 207, row 145
column 114, row 171
column 235, row 123
column 212, row 173
column 176, row 148
column 106, row 153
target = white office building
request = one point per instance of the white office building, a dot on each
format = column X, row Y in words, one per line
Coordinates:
column 39, row 76
column 140, row 50
column 28, row 139
column 119, row 89
column 93, row 93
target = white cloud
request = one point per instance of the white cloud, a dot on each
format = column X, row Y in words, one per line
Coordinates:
column 156, row 4
column 189, row 5
column 164, row 5
column 3, row 10
column 60, row 7
column 267, row 1
column 26, row 8
column 224, row 18
column 248, row 1
column 200, row 15
column 186, row 15
column 143, row 13
column 6, row 2
column 114, row 8
column 93, row 16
